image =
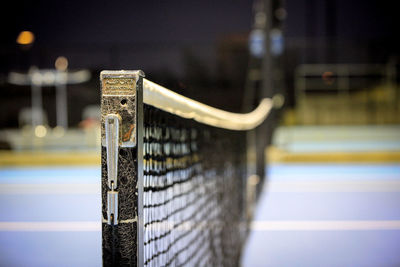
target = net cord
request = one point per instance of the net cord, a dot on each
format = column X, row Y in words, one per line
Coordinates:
column 169, row 101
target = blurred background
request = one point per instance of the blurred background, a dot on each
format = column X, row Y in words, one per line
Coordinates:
column 330, row 154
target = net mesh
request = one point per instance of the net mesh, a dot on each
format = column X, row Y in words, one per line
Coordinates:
column 194, row 192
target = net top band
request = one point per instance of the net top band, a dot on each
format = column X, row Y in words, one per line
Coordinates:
column 169, row 101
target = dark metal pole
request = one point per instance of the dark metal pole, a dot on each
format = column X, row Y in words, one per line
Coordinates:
column 263, row 132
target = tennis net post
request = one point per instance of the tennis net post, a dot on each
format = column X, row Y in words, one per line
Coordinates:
column 122, row 172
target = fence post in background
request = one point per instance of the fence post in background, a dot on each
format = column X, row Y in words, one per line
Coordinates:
column 272, row 83
column 264, row 78
column 37, row 102
column 122, row 146
column 61, row 99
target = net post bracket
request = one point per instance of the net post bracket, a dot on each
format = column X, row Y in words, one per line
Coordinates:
column 120, row 96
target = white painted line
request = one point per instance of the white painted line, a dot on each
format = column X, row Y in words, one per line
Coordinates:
column 84, row 226
column 95, row 226
column 324, row 225
column 333, row 186
column 6, row 189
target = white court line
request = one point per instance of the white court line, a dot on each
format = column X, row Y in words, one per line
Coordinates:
column 324, row 225
column 333, row 186
column 6, row 189
column 83, row 226
column 95, row 226
column 271, row 186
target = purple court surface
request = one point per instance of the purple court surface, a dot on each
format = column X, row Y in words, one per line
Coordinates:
column 307, row 215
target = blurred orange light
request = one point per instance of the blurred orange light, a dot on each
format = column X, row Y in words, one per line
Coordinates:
column 25, row 38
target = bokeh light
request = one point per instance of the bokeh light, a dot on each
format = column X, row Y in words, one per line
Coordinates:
column 40, row 131
column 25, row 38
column 61, row 63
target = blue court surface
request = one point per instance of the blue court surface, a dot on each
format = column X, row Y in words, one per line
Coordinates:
column 50, row 217
column 327, row 215
column 308, row 215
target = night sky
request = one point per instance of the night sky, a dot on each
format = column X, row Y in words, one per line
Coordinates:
column 93, row 32
column 59, row 22
column 132, row 21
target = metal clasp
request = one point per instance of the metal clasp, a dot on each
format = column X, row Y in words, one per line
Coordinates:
column 112, row 125
column 112, row 207
column 112, row 141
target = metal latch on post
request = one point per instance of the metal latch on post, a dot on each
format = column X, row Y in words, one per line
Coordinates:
column 112, row 125
column 112, row 207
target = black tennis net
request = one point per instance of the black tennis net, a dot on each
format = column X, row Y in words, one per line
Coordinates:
column 193, row 181
column 178, row 195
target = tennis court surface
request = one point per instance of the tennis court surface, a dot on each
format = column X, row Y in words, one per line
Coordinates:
column 50, row 217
